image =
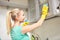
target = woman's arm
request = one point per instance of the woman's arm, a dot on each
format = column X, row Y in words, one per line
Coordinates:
column 33, row 26
column 39, row 23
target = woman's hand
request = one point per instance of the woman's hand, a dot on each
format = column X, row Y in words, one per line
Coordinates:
column 44, row 11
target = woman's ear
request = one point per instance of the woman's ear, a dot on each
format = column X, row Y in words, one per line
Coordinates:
column 16, row 18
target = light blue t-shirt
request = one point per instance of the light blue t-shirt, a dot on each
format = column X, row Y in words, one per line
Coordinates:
column 16, row 34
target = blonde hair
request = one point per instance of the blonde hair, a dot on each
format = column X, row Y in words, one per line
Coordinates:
column 11, row 15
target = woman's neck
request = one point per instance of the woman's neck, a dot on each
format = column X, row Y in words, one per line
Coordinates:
column 16, row 23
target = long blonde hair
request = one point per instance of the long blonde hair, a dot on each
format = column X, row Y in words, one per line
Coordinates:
column 11, row 15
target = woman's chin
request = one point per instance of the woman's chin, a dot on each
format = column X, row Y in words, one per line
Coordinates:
column 22, row 21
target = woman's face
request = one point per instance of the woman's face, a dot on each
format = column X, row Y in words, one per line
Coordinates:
column 21, row 16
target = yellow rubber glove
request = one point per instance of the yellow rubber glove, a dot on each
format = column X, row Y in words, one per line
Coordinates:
column 44, row 11
column 26, row 22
